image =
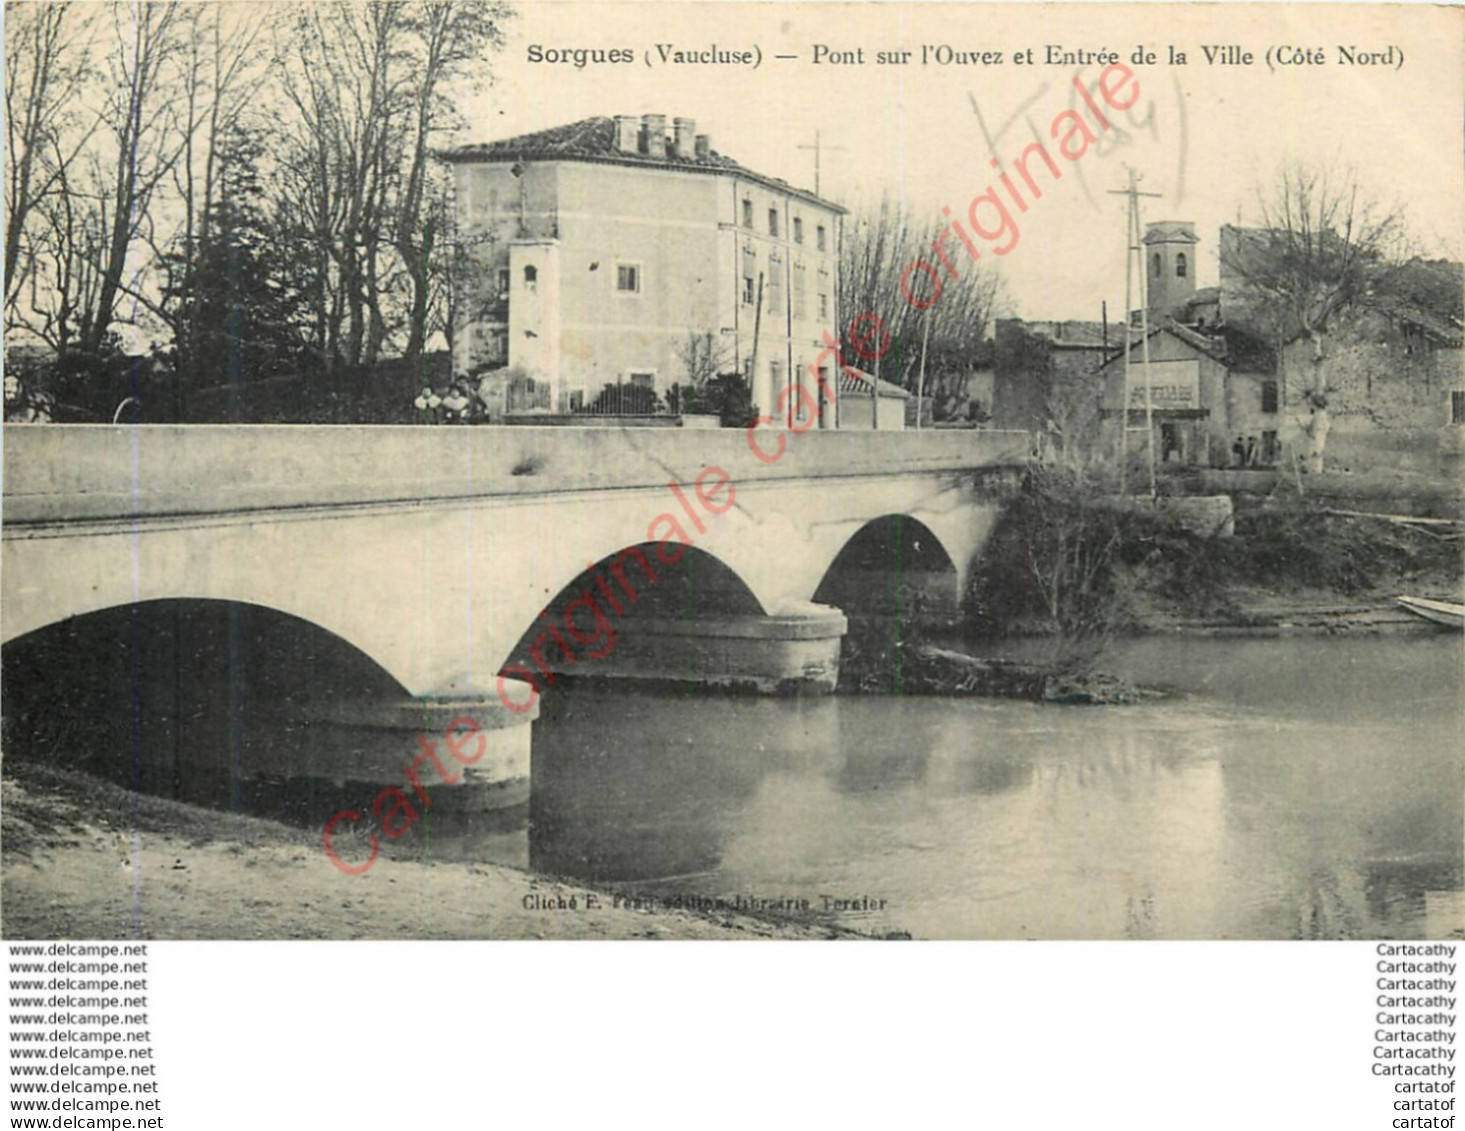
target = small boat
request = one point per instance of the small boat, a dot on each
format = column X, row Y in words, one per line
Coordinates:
column 1447, row 613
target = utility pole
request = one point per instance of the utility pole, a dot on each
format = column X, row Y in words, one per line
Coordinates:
column 753, row 357
column 1134, row 246
column 818, row 148
column 921, row 382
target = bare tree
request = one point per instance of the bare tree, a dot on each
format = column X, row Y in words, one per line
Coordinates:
column 221, row 73
column 118, row 117
column 941, row 311
column 453, row 38
column 372, row 88
column 703, row 357
column 1322, row 249
column 336, row 63
column 137, row 116
column 90, row 113
column 46, row 62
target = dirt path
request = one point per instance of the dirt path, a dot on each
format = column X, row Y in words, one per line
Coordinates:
column 85, row 859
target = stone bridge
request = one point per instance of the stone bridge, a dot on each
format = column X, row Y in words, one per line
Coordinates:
column 473, row 563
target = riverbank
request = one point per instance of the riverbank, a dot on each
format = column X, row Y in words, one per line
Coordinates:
column 1262, row 613
column 1071, row 569
column 83, row 858
column 1069, row 560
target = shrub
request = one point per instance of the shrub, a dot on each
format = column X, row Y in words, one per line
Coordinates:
column 724, row 396
column 1051, row 558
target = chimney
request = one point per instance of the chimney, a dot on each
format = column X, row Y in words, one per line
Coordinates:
column 685, row 130
column 628, row 128
column 704, row 146
column 655, row 135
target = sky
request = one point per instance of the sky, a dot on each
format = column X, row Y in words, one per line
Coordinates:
column 1207, row 138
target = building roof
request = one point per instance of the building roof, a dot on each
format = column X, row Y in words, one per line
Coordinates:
column 1446, row 332
column 1214, row 348
column 1171, row 231
column 858, row 383
column 1071, row 333
column 593, row 140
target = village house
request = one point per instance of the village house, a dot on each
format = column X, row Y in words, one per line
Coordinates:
column 603, row 247
column 1209, row 387
column 1392, row 369
column 1205, row 392
column 1207, row 383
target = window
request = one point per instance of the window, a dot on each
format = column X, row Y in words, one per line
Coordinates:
column 1269, row 396
column 799, row 304
column 747, row 213
column 503, row 281
column 773, row 221
column 1180, row 266
column 642, row 380
column 1457, row 406
column 531, row 278
column 798, row 229
column 823, row 307
column 748, row 291
column 1155, row 265
column 628, row 278
column 775, row 285
column 819, row 238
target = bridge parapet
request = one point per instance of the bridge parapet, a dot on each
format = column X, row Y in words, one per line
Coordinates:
column 60, row 473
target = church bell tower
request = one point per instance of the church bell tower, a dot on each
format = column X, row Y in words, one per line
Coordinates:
column 1169, row 264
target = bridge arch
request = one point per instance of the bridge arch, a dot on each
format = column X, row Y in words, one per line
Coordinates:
column 182, row 696
column 64, row 608
column 637, row 590
column 894, row 566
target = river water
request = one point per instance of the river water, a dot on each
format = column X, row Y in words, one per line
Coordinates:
column 1292, row 787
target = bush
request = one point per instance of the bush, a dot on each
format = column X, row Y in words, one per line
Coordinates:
column 724, row 396
column 1300, row 546
column 1081, row 564
column 1052, row 559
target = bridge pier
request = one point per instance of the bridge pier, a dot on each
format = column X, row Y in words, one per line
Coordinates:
column 467, row 753
column 793, row 650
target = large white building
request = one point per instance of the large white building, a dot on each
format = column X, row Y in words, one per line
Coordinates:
column 603, row 247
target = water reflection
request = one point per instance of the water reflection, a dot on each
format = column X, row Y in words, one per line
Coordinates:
column 1296, row 788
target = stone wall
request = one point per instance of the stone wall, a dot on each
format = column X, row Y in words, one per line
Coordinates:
column 1377, row 374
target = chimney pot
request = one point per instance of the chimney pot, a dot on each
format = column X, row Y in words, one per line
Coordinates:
column 655, row 135
column 685, row 130
column 703, row 146
column 628, row 128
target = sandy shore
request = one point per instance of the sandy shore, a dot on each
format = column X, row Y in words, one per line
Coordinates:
column 86, row 859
